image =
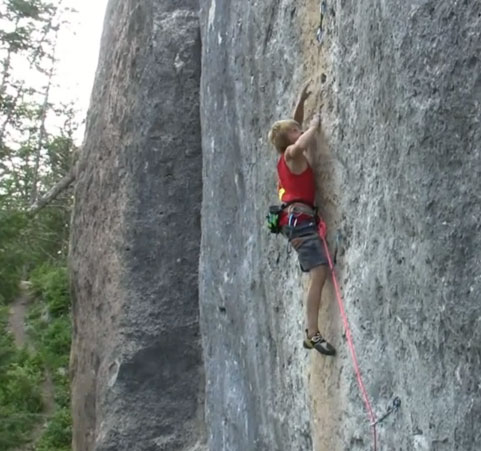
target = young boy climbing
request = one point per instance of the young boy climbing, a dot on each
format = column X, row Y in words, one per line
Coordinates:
column 298, row 219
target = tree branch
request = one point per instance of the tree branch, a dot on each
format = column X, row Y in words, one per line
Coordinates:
column 62, row 185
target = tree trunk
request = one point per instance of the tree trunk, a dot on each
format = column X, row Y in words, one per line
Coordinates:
column 42, row 130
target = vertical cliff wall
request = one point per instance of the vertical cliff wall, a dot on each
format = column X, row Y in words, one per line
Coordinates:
column 408, row 88
column 398, row 169
column 251, row 296
column 136, row 357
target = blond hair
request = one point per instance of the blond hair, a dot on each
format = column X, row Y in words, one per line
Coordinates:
column 278, row 133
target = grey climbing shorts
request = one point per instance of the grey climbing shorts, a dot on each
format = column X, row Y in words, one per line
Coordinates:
column 305, row 240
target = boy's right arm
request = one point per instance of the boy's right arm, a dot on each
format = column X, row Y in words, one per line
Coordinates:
column 297, row 149
column 298, row 114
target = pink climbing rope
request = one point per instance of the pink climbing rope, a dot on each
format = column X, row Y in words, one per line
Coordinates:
column 372, row 418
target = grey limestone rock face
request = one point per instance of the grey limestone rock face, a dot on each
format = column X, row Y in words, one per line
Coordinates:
column 407, row 108
column 136, row 357
column 401, row 138
column 398, row 170
column 251, row 307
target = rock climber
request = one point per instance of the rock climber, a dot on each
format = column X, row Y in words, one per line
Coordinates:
column 298, row 216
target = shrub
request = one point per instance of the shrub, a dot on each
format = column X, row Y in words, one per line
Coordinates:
column 51, row 284
column 58, row 435
column 50, row 327
column 21, row 374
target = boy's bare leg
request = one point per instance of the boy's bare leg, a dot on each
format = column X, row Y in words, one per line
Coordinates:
column 318, row 278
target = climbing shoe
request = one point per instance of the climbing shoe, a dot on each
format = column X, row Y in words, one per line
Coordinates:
column 318, row 343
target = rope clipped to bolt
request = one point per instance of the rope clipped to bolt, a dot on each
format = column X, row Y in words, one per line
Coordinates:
column 396, row 404
column 347, row 329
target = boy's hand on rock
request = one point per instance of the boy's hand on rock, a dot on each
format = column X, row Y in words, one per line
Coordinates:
column 305, row 93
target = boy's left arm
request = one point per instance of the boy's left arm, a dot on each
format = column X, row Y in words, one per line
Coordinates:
column 298, row 114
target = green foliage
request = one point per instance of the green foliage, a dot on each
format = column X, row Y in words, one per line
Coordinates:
column 49, row 320
column 57, row 340
column 7, row 349
column 11, row 256
column 50, row 283
column 36, row 152
column 26, row 243
column 58, row 435
column 21, row 373
column 50, row 327
column 25, row 8
column 21, row 382
column 17, row 40
column 32, row 157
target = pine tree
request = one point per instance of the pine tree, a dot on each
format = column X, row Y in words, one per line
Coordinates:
column 36, row 158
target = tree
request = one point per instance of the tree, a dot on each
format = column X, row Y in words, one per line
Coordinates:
column 36, row 145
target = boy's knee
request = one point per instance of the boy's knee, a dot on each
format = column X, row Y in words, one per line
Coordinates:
column 318, row 272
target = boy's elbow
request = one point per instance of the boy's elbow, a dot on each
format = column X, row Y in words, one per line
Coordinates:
column 296, row 150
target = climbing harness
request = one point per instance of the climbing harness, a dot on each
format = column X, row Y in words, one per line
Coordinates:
column 320, row 31
column 274, row 214
column 394, row 407
column 347, row 329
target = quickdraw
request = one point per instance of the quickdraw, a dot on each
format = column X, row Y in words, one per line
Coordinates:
column 350, row 342
column 373, row 422
column 320, row 31
column 394, row 407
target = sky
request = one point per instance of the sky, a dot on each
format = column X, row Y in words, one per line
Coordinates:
column 77, row 54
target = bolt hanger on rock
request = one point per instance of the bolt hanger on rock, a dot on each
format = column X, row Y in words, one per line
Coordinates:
column 320, row 31
column 394, row 407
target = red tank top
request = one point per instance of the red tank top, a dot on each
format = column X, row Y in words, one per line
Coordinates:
column 295, row 187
